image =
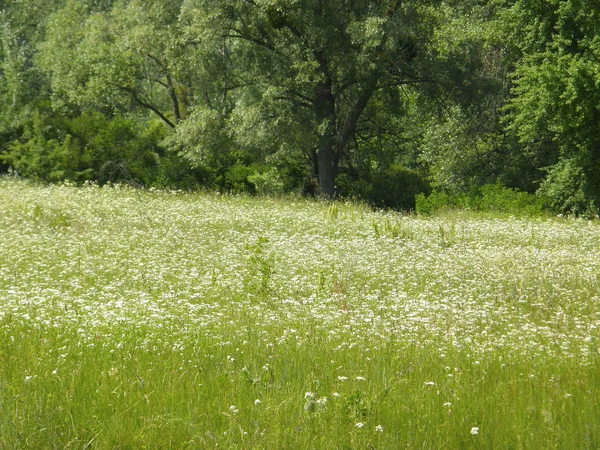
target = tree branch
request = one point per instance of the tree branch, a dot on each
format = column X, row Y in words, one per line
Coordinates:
column 348, row 128
column 249, row 38
column 147, row 105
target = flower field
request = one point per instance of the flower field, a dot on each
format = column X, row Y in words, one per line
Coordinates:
column 137, row 319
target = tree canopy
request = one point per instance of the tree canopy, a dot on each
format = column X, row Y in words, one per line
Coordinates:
column 379, row 99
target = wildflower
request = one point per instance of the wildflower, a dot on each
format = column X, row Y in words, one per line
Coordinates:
column 429, row 383
column 341, row 378
column 359, row 425
column 360, row 378
column 379, row 429
column 233, row 409
column 257, row 402
column 322, row 401
column 474, row 431
column 335, row 394
column 310, row 395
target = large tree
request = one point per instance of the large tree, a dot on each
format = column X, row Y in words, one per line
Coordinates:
column 303, row 73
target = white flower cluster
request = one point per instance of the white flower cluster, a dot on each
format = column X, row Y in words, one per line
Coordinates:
column 94, row 260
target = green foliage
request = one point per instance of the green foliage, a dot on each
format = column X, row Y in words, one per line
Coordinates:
column 314, row 76
column 556, row 95
column 493, row 198
column 375, row 100
column 92, row 147
column 47, row 152
column 565, row 186
column 236, row 179
column 460, row 153
column 267, row 183
column 434, row 202
column 394, row 187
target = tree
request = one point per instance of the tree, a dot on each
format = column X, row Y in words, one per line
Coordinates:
column 22, row 85
column 116, row 58
column 556, row 94
column 304, row 73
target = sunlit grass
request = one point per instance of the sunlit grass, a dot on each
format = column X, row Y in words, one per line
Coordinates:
column 134, row 319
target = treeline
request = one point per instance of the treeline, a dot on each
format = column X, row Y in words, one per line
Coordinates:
column 383, row 100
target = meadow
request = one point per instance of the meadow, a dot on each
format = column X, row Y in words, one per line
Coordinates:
column 140, row 319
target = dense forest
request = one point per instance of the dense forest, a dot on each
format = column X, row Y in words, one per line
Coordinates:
column 379, row 100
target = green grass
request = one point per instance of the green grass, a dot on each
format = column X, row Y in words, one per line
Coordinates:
column 134, row 319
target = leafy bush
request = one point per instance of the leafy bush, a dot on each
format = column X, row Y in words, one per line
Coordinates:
column 45, row 151
column 236, row 179
column 94, row 147
column 566, row 186
column 267, row 183
column 436, row 201
column 394, row 187
column 487, row 198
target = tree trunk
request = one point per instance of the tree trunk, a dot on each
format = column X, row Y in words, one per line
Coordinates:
column 327, row 161
column 327, row 158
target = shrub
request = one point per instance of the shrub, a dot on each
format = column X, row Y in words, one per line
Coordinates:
column 436, row 201
column 267, row 183
column 394, row 187
column 566, row 187
column 487, row 198
column 236, row 179
column 94, row 147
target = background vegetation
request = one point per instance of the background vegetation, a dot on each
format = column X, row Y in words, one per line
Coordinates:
column 378, row 100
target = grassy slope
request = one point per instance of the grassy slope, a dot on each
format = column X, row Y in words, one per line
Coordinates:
column 136, row 319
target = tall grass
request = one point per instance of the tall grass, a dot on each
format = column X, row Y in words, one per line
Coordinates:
column 164, row 320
